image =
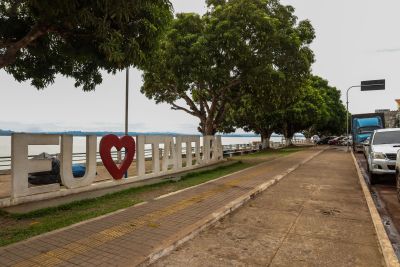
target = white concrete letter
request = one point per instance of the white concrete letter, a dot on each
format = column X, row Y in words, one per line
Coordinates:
column 67, row 177
column 21, row 166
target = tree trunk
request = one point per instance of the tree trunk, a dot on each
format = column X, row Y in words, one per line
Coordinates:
column 265, row 141
column 288, row 141
column 208, row 128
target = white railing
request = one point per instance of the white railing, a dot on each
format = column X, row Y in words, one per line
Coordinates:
column 167, row 155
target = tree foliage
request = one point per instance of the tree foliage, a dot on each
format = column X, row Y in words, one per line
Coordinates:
column 316, row 109
column 308, row 110
column 39, row 39
column 207, row 64
column 334, row 123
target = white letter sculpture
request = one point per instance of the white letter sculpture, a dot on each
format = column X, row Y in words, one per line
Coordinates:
column 21, row 166
column 67, row 178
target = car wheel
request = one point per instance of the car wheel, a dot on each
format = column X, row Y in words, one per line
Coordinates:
column 373, row 178
column 398, row 185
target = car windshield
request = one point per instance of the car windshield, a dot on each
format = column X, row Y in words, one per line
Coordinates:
column 382, row 138
column 365, row 130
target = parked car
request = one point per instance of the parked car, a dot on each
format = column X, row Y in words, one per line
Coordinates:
column 336, row 141
column 315, row 139
column 366, row 146
column 325, row 140
column 332, row 141
column 346, row 140
column 382, row 152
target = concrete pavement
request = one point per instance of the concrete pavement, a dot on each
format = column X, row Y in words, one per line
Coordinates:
column 315, row 216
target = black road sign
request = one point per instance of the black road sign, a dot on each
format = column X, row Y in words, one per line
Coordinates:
column 373, row 85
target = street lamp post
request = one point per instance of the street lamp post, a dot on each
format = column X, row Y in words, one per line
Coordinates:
column 365, row 86
column 126, row 101
column 347, row 114
column 126, row 106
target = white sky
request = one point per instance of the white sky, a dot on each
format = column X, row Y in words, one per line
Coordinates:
column 356, row 40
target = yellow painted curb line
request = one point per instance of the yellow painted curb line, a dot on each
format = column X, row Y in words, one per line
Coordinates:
column 386, row 247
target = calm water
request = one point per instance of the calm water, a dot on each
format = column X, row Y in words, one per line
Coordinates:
column 80, row 145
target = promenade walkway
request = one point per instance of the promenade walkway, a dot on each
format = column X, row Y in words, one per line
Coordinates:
column 315, row 215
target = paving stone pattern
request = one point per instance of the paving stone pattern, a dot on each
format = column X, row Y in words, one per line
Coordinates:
column 317, row 208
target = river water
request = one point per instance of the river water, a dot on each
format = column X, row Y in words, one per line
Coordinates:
column 80, row 145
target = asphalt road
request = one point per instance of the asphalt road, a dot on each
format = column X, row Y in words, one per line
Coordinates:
column 384, row 194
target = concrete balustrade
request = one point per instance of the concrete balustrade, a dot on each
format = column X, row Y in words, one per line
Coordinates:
column 172, row 162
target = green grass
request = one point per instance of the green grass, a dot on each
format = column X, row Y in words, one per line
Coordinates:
column 22, row 226
column 17, row 227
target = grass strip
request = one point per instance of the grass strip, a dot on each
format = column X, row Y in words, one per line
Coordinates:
column 17, row 227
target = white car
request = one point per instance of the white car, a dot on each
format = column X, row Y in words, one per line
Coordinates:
column 382, row 153
column 366, row 146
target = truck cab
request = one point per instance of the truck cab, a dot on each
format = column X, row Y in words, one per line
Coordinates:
column 362, row 128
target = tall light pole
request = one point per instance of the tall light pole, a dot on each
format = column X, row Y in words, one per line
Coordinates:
column 126, row 106
column 347, row 114
column 365, row 86
column 126, row 101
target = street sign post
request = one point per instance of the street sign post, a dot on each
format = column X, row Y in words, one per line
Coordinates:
column 371, row 85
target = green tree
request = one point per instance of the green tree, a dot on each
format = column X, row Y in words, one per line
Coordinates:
column 207, row 65
column 335, row 121
column 309, row 109
column 318, row 110
column 39, row 39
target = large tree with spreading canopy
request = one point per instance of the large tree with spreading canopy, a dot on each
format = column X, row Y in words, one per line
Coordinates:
column 207, row 65
column 78, row 39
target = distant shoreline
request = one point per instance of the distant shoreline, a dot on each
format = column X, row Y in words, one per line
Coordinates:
column 101, row 133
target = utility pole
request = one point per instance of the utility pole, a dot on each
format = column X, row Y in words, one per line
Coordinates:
column 347, row 115
column 126, row 106
column 126, row 101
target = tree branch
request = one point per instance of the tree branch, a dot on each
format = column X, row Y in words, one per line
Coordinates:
column 214, row 102
column 206, row 106
column 13, row 49
column 191, row 104
column 202, row 110
column 220, row 114
column 230, row 85
column 176, row 107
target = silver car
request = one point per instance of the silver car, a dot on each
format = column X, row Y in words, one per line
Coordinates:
column 382, row 153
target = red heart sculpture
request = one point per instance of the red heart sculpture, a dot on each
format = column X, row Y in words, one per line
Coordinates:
column 110, row 141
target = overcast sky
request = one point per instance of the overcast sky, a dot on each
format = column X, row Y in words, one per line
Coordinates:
column 356, row 40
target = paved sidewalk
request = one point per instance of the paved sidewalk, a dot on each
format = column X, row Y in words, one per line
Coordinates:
column 317, row 208
column 128, row 237
column 316, row 216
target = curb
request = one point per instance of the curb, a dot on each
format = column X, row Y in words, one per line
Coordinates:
column 385, row 245
column 217, row 179
column 192, row 231
column 9, row 246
